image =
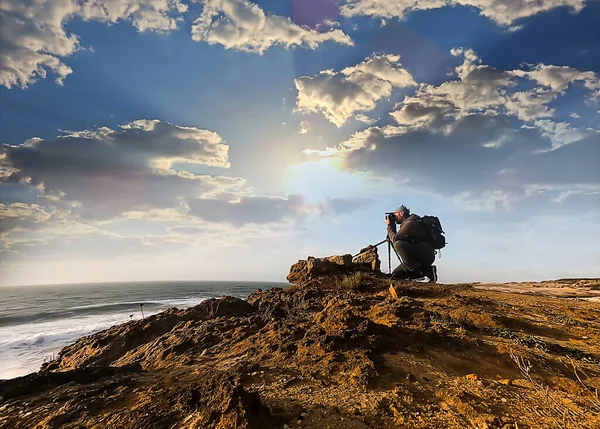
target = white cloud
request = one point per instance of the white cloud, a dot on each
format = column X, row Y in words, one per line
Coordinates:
column 532, row 104
column 364, row 119
column 485, row 202
column 19, row 216
column 338, row 96
column 242, row 25
column 482, row 89
column 558, row 78
column 561, row 192
column 560, row 133
column 503, row 12
column 304, row 127
column 33, row 38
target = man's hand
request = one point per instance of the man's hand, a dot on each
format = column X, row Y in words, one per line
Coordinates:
column 387, row 220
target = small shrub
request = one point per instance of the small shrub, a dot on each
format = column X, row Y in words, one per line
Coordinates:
column 354, row 281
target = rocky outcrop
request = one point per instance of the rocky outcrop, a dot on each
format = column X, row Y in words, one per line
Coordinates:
column 368, row 257
column 416, row 355
column 136, row 337
column 304, row 271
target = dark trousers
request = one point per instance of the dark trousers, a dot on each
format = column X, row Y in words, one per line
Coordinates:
column 416, row 260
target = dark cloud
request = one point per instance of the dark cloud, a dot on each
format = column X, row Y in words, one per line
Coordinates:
column 463, row 161
column 105, row 172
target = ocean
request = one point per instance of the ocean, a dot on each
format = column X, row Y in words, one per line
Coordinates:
column 36, row 322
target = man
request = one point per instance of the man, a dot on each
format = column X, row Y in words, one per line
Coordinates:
column 411, row 244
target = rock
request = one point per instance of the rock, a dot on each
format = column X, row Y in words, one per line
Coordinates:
column 340, row 259
column 472, row 377
column 522, row 383
column 40, row 381
column 305, row 270
column 369, row 257
column 505, row 381
column 106, row 347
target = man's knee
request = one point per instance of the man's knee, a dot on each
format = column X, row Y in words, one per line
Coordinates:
column 406, row 254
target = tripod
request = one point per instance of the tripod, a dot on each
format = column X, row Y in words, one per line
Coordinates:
column 389, row 254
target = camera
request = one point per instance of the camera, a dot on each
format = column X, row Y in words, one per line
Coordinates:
column 391, row 217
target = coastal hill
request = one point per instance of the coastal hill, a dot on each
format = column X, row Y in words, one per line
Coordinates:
column 343, row 347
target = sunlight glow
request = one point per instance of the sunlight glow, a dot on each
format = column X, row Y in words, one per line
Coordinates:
column 319, row 180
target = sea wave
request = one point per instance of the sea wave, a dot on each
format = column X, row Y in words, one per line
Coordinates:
column 99, row 308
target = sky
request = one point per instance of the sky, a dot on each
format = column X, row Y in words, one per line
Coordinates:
column 227, row 139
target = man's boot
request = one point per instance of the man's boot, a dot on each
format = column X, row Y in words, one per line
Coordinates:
column 432, row 274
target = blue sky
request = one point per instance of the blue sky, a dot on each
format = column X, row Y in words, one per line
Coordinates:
column 226, row 139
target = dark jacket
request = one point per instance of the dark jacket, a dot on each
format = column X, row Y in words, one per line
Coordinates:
column 410, row 230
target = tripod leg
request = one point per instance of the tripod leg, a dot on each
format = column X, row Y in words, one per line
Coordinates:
column 401, row 262
column 389, row 258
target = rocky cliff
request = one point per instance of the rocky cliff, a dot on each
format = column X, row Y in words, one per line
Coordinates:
column 342, row 347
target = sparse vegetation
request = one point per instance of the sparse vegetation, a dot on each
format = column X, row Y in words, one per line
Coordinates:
column 213, row 307
column 355, row 281
column 555, row 409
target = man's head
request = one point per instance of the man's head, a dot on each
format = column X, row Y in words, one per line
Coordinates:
column 401, row 213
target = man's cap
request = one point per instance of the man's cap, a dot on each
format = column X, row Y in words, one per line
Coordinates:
column 403, row 208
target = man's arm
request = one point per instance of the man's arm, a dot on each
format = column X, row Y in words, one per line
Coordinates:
column 391, row 232
column 403, row 232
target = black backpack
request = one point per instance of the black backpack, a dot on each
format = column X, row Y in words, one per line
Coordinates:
column 434, row 230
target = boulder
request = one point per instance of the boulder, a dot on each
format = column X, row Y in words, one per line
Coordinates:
column 369, row 257
column 305, row 270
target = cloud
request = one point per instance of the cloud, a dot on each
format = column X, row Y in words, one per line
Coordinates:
column 560, row 193
column 558, row 78
column 503, row 12
column 338, row 96
column 482, row 89
column 105, row 172
column 244, row 26
column 33, row 38
column 247, row 209
column 365, row 119
column 484, row 202
column 20, row 216
column 481, row 137
column 304, row 127
column 257, row 209
column 560, row 133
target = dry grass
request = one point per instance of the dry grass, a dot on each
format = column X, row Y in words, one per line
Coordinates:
column 355, row 281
